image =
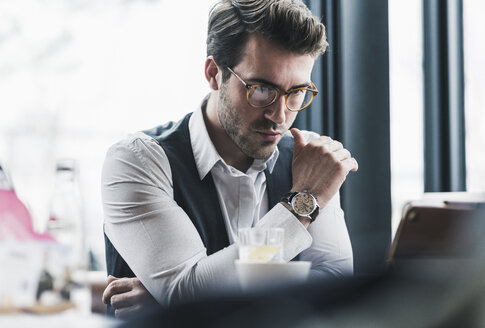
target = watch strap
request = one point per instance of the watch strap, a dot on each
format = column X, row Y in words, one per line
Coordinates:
column 288, row 196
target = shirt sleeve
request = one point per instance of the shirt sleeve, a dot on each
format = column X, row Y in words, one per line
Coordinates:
column 326, row 243
column 330, row 251
column 151, row 232
column 296, row 236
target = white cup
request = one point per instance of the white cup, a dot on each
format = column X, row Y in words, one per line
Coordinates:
column 254, row 275
column 261, row 263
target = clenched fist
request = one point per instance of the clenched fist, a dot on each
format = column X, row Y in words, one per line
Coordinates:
column 320, row 166
column 127, row 296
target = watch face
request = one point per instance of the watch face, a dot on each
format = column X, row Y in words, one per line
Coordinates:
column 303, row 203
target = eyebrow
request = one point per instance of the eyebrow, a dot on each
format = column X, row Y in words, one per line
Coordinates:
column 271, row 84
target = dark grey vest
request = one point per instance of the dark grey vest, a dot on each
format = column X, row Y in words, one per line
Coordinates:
column 199, row 198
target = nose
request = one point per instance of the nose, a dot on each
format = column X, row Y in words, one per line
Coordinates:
column 276, row 112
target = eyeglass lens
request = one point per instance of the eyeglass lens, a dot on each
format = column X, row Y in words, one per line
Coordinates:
column 261, row 96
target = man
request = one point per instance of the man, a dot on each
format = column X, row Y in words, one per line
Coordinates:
column 176, row 196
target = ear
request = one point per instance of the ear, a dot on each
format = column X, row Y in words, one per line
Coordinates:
column 212, row 73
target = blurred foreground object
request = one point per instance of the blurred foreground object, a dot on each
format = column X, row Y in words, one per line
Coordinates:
column 445, row 288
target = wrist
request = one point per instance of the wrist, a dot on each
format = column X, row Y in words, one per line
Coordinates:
column 318, row 197
column 302, row 203
column 303, row 219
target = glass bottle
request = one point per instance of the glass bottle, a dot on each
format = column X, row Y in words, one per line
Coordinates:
column 66, row 225
column 65, row 211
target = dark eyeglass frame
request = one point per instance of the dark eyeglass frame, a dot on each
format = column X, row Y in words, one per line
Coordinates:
column 250, row 86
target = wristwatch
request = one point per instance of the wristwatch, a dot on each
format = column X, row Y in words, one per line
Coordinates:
column 302, row 203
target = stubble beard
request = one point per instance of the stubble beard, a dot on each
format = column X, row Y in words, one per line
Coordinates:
column 230, row 119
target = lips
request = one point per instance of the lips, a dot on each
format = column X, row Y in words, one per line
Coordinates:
column 269, row 135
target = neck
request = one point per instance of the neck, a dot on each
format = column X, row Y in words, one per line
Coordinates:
column 226, row 148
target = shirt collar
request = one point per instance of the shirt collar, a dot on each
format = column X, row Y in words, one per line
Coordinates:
column 205, row 153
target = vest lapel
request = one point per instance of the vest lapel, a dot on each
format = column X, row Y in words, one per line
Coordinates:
column 280, row 181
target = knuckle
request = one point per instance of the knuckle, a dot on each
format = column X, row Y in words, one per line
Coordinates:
column 312, row 145
column 324, row 150
column 138, row 293
column 106, row 295
column 340, row 168
column 333, row 157
column 114, row 285
column 107, row 291
column 137, row 282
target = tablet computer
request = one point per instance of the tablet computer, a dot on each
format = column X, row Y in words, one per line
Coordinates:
column 446, row 229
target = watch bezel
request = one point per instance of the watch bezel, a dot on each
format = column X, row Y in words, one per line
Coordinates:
column 300, row 194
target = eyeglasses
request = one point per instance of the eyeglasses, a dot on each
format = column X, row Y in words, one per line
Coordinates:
column 260, row 95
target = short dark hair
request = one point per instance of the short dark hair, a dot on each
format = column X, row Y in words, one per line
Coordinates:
column 288, row 23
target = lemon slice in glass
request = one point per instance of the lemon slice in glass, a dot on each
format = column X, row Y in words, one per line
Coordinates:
column 263, row 253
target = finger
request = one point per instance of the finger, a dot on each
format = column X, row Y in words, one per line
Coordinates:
column 106, row 296
column 140, row 291
column 118, row 286
column 327, row 142
column 342, row 154
column 336, row 145
column 299, row 142
column 356, row 165
column 111, row 279
column 124, row 300
column 350, row 164
column 323, row 140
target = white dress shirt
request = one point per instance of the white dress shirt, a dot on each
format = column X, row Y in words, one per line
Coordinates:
column 161, row 245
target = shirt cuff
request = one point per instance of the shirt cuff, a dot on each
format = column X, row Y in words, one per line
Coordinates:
column 296, row 236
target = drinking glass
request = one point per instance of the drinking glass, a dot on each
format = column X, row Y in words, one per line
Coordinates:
column 261, row 245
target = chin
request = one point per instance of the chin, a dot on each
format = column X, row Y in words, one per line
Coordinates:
column 264, row 154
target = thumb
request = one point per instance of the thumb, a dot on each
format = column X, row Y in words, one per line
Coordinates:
column 299, row 142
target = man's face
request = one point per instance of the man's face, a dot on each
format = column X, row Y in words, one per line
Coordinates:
column 257, row 131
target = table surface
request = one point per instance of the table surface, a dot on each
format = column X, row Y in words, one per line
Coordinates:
column 60, row 320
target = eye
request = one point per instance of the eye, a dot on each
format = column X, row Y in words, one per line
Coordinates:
column 298, row 92
column 260, row 95
column 261, row 90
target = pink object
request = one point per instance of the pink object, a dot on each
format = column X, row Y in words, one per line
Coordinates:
column 15, row 219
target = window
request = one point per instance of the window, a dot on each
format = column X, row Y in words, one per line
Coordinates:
column 76, row 76
column 406, row 99
column 474, row 53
